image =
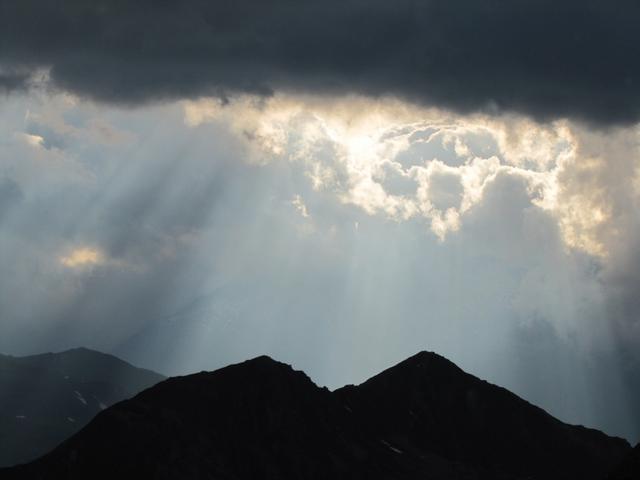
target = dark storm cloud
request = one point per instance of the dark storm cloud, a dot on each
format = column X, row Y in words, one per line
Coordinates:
column 540, row 57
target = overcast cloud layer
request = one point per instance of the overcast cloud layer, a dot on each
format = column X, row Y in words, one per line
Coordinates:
column 545, row 58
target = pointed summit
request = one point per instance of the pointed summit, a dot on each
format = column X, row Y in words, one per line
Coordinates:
column 419, row 367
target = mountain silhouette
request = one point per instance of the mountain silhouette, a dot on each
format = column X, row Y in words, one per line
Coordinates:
column 44, row 399
column 428, row 404
column 423, row 418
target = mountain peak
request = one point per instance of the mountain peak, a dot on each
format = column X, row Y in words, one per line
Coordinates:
column 425, row 357
column 263, row 360
column 259, row 377
column 264, row 365
column 423, row 367
column 84, row 351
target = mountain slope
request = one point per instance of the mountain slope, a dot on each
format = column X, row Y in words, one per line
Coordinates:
column 629, row 468
column 423, row 418
column 46, row 398
column 258, row 419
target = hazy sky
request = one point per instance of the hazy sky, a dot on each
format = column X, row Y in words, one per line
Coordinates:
column 191, row 184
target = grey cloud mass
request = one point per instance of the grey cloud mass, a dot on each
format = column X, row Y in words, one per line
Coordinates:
column 547, row 59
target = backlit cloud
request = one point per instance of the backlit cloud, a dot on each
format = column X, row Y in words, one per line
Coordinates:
column 83, row 257
column 404, row 161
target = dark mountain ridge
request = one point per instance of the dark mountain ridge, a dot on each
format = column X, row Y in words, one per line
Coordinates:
column 46, row 398
column 423, row 418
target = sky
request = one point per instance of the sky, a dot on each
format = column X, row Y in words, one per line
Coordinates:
column 338, row 185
